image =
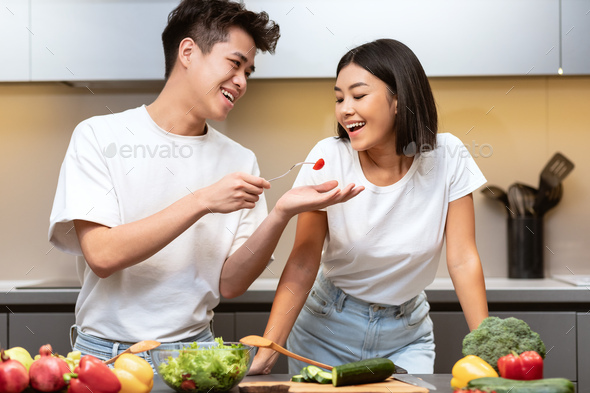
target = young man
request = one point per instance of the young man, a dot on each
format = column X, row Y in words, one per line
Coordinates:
column 168, row 213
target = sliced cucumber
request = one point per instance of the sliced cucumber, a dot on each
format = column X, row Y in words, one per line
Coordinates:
column 313, row 374
column 298, row 378
column 313, row 371
column 364, row 371
column 306, row 376
column 323, row 377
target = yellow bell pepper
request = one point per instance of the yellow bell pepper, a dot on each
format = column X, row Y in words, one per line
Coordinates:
column 468, row 368
column 134, row 373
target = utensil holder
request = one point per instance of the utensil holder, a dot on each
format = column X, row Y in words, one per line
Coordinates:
column 525, row 247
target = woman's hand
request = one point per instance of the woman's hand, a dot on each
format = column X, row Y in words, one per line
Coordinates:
column 310, row 198
column 263, row 362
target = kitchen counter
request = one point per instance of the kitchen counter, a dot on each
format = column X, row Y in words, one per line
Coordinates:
column 499, row 290
column 556, row 310
column 441, row 381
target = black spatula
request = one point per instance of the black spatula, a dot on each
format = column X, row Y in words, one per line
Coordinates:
column 553, row 174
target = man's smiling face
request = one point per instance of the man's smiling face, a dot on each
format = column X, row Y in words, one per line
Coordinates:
column 219, row 78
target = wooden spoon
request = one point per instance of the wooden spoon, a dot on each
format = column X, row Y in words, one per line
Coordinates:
column 262, row 342
column 139, row 347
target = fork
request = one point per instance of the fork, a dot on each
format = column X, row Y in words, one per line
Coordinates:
column 293, row 167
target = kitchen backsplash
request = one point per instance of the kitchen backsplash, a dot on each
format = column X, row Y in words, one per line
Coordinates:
column 512, row 126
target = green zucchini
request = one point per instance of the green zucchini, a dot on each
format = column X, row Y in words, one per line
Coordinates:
column 323, row 377
column 503, row 385
column 297, row 378
column 364, row 371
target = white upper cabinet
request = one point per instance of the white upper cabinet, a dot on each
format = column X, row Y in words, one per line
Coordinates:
column 98, row 39
column 114, row 40
column 15, row 37
column 451, row 38
column 575, row 36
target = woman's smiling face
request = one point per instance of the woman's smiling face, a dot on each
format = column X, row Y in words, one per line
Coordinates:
column 365, row 107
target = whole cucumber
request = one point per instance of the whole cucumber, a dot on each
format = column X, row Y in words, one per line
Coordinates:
column 363, row 371
column 503, row 385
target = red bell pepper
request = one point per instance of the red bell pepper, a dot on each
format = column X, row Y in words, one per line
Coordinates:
column 94, row 376
column 527, row 366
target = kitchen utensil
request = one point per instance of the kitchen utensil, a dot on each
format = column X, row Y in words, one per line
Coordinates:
column 262, row 342
column 552, row 175
column 552, row 198
column 494, row 192
column 412, row 380
column 525, row 247
column 293, row 167
column 221, row 366
column 139, row 347
column 528, row 194
column 515, row 200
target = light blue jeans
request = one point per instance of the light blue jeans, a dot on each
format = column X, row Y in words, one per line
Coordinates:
column 335, row 328
column 104, row 349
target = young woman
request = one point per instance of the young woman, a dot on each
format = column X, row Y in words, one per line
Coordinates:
column 377, row 252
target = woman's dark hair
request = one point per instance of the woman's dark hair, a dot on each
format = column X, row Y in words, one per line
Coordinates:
column 208, row 22
column 395, row 64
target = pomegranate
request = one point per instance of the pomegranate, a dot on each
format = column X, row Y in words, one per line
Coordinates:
column 14, row 377
column 47, row 372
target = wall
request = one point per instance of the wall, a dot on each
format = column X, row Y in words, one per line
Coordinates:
column 511, row 125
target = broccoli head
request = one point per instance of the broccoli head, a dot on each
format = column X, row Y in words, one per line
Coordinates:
column 496, row 337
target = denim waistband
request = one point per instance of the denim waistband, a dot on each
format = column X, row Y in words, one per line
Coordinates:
column 76, row 332
column 340, row 297
column 115, row 347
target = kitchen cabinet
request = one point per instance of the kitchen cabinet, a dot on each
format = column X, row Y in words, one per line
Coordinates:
column 15, row 43
column 575, row 34
column 557, row 330
column 32, row 330
column 458, row 38
column 557, row 311
column 98, row 39
column 4, row 331
column 248, row 323
column 104, row 40
column 583, row 327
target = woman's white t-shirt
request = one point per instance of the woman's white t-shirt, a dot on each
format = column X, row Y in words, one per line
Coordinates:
column 384, row 245
column 121, row 168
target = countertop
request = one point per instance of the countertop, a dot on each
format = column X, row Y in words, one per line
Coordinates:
column 499, row 290
column 441, row 381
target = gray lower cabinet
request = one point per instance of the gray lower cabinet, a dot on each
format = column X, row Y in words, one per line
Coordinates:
column 449, row 330
column 557, row 330
column 32, row 330
column 224, row 326
column 583, row 332
column 4, row 331
column 248, row 323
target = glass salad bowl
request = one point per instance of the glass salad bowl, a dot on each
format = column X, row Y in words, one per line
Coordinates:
column 202, row 367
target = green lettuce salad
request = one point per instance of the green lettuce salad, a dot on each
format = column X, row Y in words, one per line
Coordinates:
column 215, row 369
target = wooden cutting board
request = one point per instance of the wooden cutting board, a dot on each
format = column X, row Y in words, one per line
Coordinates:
column 388, row 386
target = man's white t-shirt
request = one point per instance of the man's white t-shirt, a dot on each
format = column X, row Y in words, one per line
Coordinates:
column 384, row 245
column 122, row 168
